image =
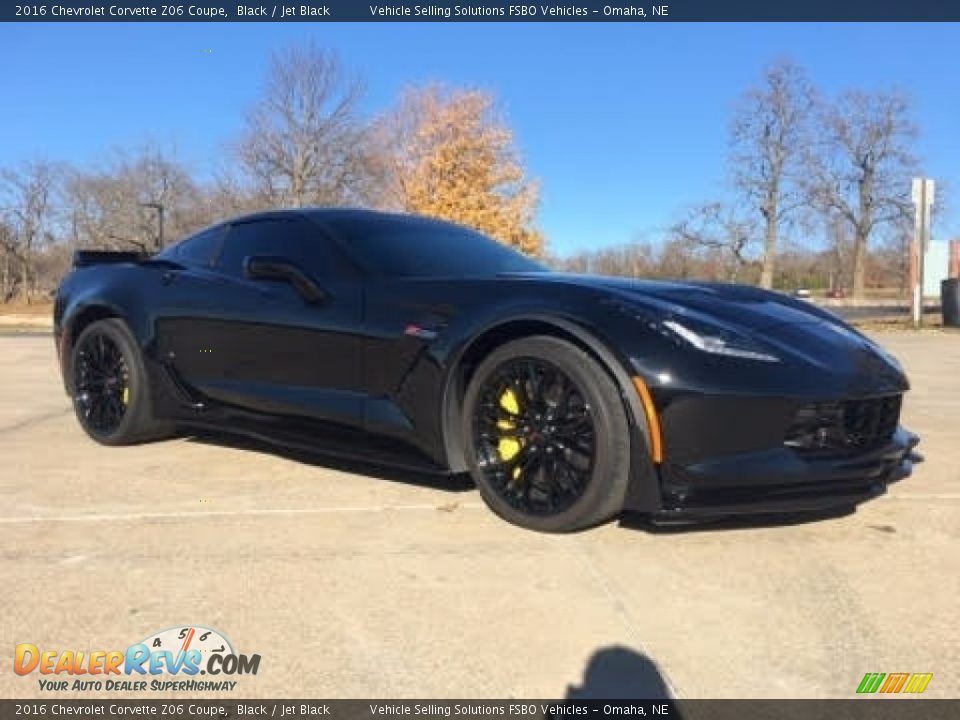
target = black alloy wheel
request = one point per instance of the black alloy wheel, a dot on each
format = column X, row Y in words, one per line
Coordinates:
column 546, row 435
column 535, row 433
column 101, row 383
column 110, row 387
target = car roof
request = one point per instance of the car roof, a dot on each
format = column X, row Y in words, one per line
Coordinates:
column 328, row 213
column 321, row 214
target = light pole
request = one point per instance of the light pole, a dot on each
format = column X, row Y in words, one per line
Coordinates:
column 159, row 208
column 922, row 200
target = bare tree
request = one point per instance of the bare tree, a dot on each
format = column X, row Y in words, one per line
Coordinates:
column 840, row 252
column 7, row 241
column 769, row 134
column 860, row 173
column 678, row 259
column 111, row 207
column 28, row 201
column 889, row 261
column 715, row 227
column 227, row 195
column 636, row 259
column 303, row 143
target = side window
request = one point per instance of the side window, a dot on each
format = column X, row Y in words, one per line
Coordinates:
column 315, row 253
column 251, row 238
column 299, row 241
column 200, row 249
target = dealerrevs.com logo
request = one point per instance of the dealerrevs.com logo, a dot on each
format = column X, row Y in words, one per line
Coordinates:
column 169, row 660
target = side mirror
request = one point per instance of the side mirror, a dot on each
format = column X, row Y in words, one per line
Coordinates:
column 269, row 267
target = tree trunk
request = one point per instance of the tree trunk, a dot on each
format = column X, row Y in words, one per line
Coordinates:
column 859, row 265
column 861, row 235
column 771, row 218
column 769, row 252
column 298, row 180
column 25, row 282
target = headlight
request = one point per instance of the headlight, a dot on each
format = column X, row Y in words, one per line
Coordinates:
column 717, row 341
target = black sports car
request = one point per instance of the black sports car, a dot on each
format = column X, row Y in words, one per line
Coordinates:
column 419, row 343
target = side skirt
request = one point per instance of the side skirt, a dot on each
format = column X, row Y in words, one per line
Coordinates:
column 316, row 439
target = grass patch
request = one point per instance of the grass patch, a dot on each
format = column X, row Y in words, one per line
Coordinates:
column 34, row 309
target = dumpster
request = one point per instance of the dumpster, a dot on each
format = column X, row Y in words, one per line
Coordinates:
column 950, row 301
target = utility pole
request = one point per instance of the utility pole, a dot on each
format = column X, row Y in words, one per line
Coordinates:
column 159, row 208
column 922, row 201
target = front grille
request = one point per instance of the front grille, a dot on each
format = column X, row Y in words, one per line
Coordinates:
column 848, row 426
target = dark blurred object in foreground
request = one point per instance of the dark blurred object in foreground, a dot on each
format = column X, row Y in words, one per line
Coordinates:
column 950, row 301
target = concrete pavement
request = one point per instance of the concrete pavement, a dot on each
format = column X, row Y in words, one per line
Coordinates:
column 356, row 582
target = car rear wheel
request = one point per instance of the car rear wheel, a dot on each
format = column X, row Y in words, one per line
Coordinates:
column 547, row 436
column 111, row 395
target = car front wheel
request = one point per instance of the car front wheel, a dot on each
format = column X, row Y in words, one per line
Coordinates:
column 547, row 436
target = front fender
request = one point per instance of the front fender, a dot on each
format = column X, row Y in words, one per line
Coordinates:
column 644, row 493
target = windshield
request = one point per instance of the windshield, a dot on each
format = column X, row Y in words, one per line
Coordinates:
column 418, row 247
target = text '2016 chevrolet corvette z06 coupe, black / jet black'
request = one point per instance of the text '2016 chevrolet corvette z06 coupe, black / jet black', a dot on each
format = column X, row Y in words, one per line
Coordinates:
column 419, row 343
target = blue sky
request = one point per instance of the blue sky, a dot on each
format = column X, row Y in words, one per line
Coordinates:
column 624, row 124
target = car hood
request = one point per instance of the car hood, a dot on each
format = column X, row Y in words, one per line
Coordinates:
column 792, row 327
column 750, row 308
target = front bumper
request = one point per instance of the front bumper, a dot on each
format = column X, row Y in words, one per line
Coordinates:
column 784, row 480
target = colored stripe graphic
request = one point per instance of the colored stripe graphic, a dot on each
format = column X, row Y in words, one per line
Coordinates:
column 918, row 682
column 894, row 683
column 870, row 682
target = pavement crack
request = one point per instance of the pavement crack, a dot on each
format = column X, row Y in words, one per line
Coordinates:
column 213, row 514
column 615, row 596
column 30, row 421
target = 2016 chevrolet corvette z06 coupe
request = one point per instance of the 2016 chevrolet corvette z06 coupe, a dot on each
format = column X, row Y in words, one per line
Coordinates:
column 419, row 343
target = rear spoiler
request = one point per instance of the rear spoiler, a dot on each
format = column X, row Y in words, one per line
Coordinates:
column 86, row 258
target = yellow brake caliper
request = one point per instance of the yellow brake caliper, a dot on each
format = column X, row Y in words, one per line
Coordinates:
column 509, row 445
column 125, row 398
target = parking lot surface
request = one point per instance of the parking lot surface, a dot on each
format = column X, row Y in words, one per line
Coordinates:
column 351, row 581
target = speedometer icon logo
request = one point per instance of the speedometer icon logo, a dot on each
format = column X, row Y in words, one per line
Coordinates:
column 184, row 638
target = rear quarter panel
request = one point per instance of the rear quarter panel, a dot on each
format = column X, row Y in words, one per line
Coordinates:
column 126, row 291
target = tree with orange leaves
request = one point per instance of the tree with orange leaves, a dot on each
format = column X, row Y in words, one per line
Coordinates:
column 449, row 156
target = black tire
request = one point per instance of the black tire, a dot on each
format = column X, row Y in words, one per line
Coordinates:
column 111, row 395
column 554, row 493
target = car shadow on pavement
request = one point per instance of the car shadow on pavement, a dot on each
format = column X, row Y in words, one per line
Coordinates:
column 633, row 521
column 434, row 480
column 617, row 672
